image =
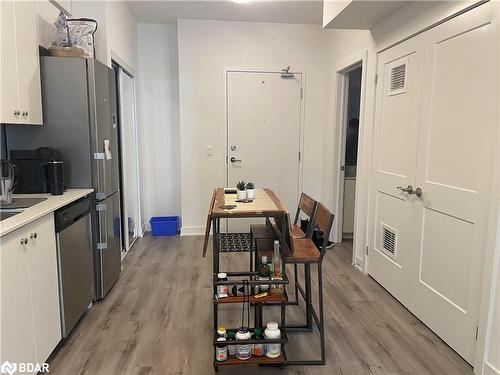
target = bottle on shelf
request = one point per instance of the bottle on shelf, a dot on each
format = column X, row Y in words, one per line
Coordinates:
column 231, row 349
column 277, row 289
column 221, row 350
column 243, row 352
column 272, row 332
column 277, row 260
column 221, row 331
column 257, row 349
column 263, row 273
column 222, row 290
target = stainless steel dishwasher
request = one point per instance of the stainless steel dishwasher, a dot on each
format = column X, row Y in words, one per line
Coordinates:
column 75, row 266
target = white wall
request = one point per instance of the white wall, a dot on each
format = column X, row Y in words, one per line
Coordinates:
column 121, row 30
column 116, row 35
column 159, row 120
column 205, row 49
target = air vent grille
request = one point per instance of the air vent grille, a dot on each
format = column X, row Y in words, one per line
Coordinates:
column 389, row 239
column 398, row 79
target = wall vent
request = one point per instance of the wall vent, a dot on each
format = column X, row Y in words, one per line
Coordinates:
column 397, row 85
column 389, row 240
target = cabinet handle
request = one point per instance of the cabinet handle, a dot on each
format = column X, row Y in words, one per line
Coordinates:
column 33, row 236
column 25, row 113
column 17, row 113
column 24, row 241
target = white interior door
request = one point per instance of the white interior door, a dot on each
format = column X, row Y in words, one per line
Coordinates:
column 130, row 168
column 396, row 129
column 263, row 133
column 454, row 163
column 436, row 134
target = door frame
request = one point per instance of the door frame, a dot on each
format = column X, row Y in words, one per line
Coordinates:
column 340, row 107
column 138, row 229
column 225, row 166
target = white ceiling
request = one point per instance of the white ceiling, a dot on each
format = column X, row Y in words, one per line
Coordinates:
column 279, row 11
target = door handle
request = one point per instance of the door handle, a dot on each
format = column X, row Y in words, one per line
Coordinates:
column 409, row 189
column 234, row 160
column 418, row 192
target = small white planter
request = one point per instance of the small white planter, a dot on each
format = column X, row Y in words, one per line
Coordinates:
column 242, row 194
column 250, row 193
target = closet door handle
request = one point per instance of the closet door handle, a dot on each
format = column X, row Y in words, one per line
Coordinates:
column 408, row 189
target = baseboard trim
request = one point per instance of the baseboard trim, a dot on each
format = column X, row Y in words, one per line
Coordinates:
column 489, row 369
column 192, row 231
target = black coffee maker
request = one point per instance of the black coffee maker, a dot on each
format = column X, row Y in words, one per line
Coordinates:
column 53, row 175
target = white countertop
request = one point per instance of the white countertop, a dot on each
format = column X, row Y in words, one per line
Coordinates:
column 32, row 213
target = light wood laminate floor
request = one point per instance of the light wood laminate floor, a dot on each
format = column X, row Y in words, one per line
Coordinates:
column 158, row 320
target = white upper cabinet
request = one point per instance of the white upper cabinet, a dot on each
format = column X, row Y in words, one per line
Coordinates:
column 21, row 101
column 9, row 100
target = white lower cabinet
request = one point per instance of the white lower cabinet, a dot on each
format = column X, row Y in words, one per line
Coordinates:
column 30, row 314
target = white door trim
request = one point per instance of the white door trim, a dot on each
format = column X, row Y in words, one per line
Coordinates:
column 302, row 72
column 340, row 105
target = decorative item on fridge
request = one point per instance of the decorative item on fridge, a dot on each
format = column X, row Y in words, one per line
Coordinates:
column 272, row 332
column 77, row 32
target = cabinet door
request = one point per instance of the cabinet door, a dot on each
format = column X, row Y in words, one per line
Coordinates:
column 9, row 101
column 44, row 286
column 16, row 319
column 28, row 64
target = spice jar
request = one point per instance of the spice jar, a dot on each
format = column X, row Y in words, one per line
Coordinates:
column 231, row 349
column 272, row 332
column 243, row 352
column 222, row 290
column 257, row 349
column 221, row 350
column 221, row 331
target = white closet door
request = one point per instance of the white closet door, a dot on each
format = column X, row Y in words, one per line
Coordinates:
column 456, row 137
column 396, row 130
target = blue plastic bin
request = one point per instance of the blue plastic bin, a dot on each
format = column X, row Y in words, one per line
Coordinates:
column 164, row 225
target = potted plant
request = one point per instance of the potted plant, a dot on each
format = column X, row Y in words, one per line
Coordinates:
column 242, row 193
column 250, row 190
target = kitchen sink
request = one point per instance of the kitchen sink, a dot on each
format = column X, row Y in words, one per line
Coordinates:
column 18, row 203
column 5, row 214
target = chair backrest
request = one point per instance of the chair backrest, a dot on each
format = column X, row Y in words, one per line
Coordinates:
column 323, row 220
column 308, row 206
column 288, row 231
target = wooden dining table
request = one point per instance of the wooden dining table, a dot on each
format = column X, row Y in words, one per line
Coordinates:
column 226, row 205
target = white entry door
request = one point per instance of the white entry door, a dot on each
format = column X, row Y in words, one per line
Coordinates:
column 439, row 139
column 263, row 133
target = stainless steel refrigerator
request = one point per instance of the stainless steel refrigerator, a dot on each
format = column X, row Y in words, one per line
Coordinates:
column 80, row 121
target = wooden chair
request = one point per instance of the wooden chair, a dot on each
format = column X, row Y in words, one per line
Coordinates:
column 305, row 252
column 260, row 232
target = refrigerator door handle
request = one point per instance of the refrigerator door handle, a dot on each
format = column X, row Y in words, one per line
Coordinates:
column 103, row 226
